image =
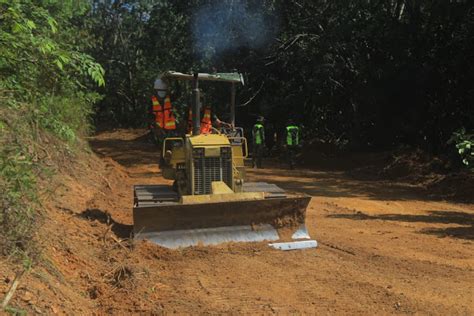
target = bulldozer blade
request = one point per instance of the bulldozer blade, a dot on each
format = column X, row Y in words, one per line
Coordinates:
column 172, row 224
column 210, row 236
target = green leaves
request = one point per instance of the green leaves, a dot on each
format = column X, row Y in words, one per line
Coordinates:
column 464, row 143
column 44, row 45
column 40, row 53
column 47, row 84
column 30, row 24
column 18, row 200
column 97, row 73
column 52, row 24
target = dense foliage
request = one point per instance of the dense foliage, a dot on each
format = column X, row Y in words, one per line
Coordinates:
column 46, row 83
column 368, row 74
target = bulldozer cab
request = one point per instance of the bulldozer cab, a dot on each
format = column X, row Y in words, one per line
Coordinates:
column 210, row 201
column 174, row 148
column 233, row 80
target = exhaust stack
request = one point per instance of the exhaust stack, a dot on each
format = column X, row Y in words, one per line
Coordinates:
column 195, row 106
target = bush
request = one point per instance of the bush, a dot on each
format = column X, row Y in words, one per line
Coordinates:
column 465, row 145
column 47, row 84
column 66, row 117
column 19, row 205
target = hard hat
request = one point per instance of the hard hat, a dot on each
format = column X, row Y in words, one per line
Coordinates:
column 260, row 119
column 160, row 85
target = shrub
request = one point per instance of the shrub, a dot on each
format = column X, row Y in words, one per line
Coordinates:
column 464, row 143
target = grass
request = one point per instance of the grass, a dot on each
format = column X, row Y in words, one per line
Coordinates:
column 35, row 139
column 18, row 171
column 15, row 311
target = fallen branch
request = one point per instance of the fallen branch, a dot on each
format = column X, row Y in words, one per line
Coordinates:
column 13, row 288
column 106, row 181
column 118, row 241
column 104, row 237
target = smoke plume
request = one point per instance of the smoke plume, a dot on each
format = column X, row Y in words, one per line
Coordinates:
column 229, row 25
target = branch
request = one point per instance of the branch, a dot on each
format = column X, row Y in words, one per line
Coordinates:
column 13, row 288
column 336, row 82
column 253, row 97
column 286, row 46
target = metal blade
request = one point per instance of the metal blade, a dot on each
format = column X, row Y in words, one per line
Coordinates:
column 278, row 212
column 295, row 245
column 210, row 236
column 159, row 217
column 301, row 233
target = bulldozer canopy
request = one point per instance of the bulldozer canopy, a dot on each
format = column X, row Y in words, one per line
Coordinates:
column 230, row 77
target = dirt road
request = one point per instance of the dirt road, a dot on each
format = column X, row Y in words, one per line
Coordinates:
column 383, row 248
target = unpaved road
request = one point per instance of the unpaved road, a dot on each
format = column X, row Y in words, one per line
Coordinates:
column 384, row 248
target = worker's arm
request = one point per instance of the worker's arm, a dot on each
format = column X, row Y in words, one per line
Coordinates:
column 219, row 123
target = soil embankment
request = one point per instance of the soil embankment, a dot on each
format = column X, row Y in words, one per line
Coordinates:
column 385, row 247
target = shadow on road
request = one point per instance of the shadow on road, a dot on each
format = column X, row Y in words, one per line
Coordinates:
column 466, row 231
column 337, row 184
column 120, row 230
column 127, row 152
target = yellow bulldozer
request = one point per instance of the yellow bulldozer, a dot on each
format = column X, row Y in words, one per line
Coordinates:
column 210, row 201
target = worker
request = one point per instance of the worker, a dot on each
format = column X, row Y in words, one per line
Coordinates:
column 258, row 137
column 164, row 121
column 292, row 141
column 208, row 120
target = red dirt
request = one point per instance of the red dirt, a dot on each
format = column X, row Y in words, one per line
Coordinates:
column 384, row 247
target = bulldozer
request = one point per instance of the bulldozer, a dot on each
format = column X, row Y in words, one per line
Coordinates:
column 210, row 201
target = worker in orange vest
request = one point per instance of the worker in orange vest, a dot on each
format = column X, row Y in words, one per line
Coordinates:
column 164, row 121
column 207, row 121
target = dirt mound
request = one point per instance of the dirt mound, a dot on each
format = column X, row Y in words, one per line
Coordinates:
column 404, row 163
column 412, row 165
column 418, row 168
column 317, row 154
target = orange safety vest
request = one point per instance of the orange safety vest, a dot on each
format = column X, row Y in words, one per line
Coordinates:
column 168, row 116
column 206, row 122
column 157, row 111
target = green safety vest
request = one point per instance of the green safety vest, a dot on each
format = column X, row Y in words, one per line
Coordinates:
column 258, row 134
column 292, row 137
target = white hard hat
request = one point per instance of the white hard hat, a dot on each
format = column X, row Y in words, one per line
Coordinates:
column 160, row 85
